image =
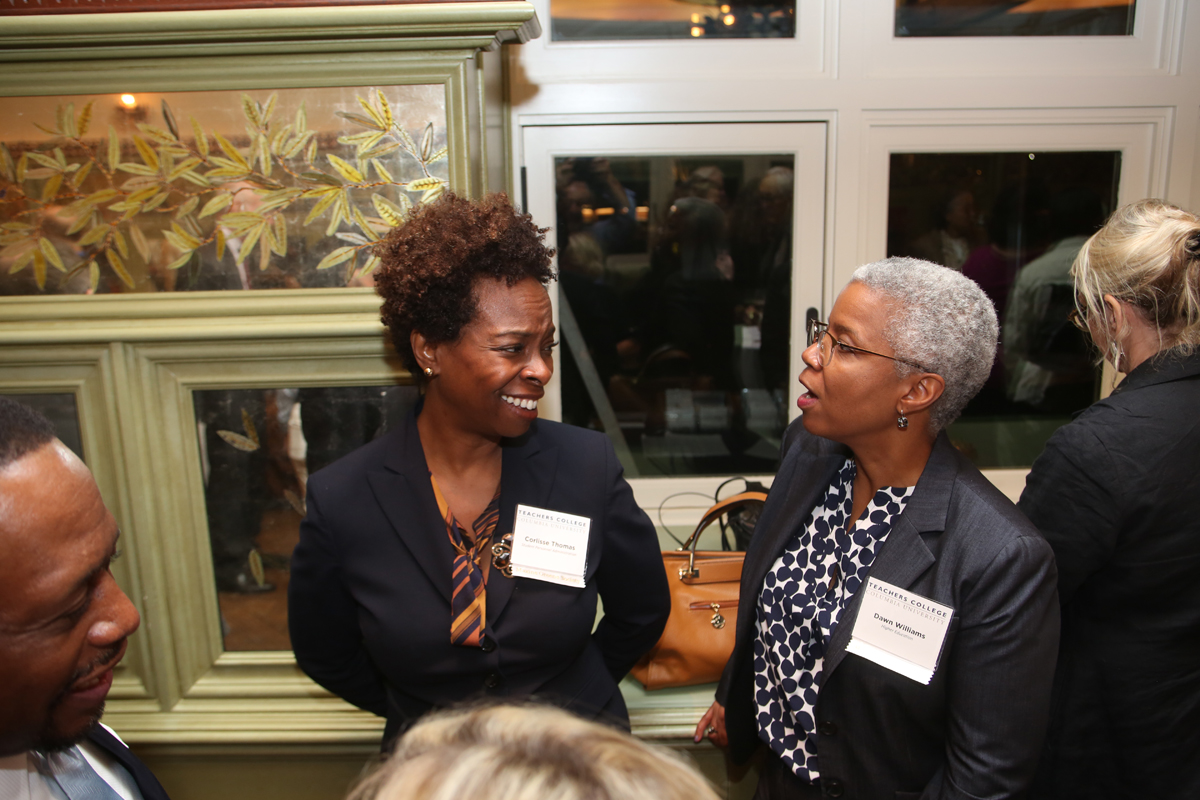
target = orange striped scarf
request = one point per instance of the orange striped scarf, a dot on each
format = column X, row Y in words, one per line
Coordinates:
column 468, row 596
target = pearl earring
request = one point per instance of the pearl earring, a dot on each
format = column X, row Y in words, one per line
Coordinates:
column 429, row 372
column 901, row 422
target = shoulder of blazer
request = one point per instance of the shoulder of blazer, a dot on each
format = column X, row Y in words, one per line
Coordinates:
column 952, row 491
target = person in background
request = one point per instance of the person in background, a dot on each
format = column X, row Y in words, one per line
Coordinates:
column 1046, row 358
column 398, row 601
column 870, row 488
column 955, row 232
column 64, row 624
column 514, row 752
column 1115, row 493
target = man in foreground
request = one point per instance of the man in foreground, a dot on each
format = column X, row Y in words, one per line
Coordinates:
column 64, row 624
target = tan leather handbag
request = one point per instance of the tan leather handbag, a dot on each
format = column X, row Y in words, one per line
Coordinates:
column 698, row 639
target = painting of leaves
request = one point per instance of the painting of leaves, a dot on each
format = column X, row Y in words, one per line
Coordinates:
column 212, row 190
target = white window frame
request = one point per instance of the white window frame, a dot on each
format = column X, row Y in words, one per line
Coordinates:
column 1140, row 134
column 806, row 141
column 1153, row 48
column 810, row 53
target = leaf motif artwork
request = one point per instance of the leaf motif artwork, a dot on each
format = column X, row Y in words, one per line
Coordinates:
column 289, row 185
column 237, row 440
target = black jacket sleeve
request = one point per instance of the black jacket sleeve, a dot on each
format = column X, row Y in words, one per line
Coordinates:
column 323, row 617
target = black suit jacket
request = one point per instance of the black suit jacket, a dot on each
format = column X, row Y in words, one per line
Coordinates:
column 369, row 598
column 1117, row 494
column 147, row 784
column 975, row 731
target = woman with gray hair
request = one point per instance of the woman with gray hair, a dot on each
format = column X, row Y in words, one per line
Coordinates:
column 875, row 533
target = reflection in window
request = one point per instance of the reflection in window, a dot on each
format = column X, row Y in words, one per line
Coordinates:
column 675, row 293
column 223, row 190
column 1013, row 223
column 586, row 20
column 1007, row 18
column 63, row 413
column 257, row 449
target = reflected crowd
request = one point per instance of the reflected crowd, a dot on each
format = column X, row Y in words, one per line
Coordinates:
column 903, row 628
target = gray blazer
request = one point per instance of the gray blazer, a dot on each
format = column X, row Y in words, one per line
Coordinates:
column 975, row 731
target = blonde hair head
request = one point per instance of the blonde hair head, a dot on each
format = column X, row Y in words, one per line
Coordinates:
column 527, row 752
column 1147, row 255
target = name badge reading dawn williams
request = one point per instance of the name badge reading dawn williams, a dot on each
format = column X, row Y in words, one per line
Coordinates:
column 900, row 630
column 550, row 546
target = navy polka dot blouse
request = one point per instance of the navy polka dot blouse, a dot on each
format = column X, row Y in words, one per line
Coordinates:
column 802, row 599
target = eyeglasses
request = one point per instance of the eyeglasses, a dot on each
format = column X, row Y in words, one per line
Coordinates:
column 818, row 334
column 1078, row 320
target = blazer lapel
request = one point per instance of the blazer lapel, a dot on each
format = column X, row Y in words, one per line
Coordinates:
column 405, row 495
column 526, row 476
column 904, row 556
column 148, row 785
column 803, row 485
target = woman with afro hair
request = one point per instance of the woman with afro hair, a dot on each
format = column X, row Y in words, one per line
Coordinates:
column 398, row 601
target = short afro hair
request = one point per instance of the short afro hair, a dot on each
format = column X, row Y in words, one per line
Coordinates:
column 432, row 260
column 22, row 431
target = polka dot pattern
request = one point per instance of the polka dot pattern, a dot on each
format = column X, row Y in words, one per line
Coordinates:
column 802, row 599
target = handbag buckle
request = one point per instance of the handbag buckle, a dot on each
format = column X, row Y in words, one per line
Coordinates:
column 690, row 570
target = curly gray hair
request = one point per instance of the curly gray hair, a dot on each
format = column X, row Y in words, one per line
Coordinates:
column 941, row 320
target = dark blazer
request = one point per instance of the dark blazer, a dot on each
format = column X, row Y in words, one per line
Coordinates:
column 369, row 598
column 976, row 730
column 147, row 784
column 1117, row 495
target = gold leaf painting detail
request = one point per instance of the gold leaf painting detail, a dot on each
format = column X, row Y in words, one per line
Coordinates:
column 151, row 201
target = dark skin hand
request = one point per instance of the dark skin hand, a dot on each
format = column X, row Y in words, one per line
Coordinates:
column 715, row 718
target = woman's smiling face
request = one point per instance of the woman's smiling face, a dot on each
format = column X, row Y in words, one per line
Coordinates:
column 855, row 395
column 491, row 378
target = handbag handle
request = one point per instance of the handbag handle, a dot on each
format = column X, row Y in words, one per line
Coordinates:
column 731, row 503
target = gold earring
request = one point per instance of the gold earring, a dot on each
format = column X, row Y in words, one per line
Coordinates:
column 429, row 372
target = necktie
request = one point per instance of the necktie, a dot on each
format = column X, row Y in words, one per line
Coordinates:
column 69, row 776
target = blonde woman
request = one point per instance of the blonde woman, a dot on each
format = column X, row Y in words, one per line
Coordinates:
column 527, row 752
column 1117, row 494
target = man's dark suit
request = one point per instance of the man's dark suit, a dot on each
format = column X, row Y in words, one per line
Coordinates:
column 369, row 599
column 147, row 784
column 976, row 729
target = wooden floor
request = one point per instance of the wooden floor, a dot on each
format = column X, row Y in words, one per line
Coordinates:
column 259, row 621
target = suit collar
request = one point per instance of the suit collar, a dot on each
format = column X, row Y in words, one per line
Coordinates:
column 904, row 556
column 405, row 494
column 805, row 488
column 1163, row 368
column 147, row 783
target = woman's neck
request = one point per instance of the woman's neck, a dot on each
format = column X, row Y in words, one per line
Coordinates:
column 451, row 450
column 1143, row 341
column 896, row 460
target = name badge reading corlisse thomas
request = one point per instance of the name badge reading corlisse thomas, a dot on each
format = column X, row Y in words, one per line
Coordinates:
column 550, row 546
column 900, row 630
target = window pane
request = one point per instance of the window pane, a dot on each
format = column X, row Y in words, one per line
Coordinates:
column 227, row 190
column 257, row 449
column 1006, row 18
column 1012, row 222
column 587, row 20
column 675, row 292
column 61, row 410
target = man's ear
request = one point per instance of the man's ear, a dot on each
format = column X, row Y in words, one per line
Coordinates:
column 923, row 393
column 425, row 352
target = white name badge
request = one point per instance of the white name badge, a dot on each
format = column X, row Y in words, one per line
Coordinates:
column 900, row 630
column 550, row 546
